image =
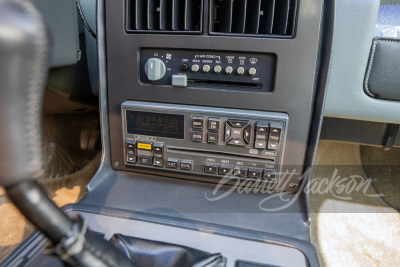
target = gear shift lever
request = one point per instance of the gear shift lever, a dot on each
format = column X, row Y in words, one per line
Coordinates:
column 24, row 53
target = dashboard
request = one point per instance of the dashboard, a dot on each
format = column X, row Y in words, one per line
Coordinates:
column 216, row 69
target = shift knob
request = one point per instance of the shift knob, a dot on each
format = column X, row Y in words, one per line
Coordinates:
column 24, row 49
column 155, row 69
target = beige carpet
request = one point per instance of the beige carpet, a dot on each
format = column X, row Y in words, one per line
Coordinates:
column 63, row 190
column 361, row 231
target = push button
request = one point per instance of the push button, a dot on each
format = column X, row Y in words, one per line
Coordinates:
column 224, row 169
column 210, row 168
column 212, row 138
column 236, row 142
column 237, row 123
column 255, row 173
column 247, row 134
column 213, row 124
column 147, row 160
column 172, row 163
column 228, row 132
column 131, row 151
column 197, row 122
column 261, row 133
column 274, row 138
column 158, row 154
column 235, row 132
column 145, row 146
column 270, row 176
column 186, row 165
column 197, row 136
column 239, row 171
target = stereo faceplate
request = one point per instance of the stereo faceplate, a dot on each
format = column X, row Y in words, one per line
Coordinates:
column 204, row 141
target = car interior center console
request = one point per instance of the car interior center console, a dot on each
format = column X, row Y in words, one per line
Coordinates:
column 193, row 91
column 195, row 67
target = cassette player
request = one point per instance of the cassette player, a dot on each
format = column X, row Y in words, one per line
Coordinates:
column 204, row 141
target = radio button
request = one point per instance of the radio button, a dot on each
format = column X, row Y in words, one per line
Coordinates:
column 144, row 146
column 197, row 136
column 158, row 162
column 212, row 138
column 158, row 150
column 147, row 160
column 274, row 145
column 255, row 173
column 269, row 175
column 228, row 132
column 197, row 122
column 261, row 134
column 238, row 123
column 239, row 171
column 210, row 168
column 186, row 165
column 213, row 124
column 247, row 134
column 131, row 151
column 260, row 144
column 262, row 128
column 158, row 154
column 236, row 142
column 224, row 169
column 172, row 163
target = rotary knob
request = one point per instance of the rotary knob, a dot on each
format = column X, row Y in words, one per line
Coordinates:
column 155, row 69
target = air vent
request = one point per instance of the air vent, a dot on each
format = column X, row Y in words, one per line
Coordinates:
column 164, row 16
column 260, row 18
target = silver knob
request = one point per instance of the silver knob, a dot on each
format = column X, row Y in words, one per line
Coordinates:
column 155, row 69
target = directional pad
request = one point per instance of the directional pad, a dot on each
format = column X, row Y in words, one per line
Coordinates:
column 237, row 132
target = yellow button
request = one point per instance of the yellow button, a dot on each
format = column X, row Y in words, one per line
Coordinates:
column 144, row 146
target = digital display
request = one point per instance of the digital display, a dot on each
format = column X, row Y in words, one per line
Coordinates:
column 155, row 124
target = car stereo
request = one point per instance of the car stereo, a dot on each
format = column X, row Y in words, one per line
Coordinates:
column 204, row 141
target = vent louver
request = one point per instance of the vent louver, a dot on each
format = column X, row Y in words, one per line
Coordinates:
column 261, row 18
column 164, row 16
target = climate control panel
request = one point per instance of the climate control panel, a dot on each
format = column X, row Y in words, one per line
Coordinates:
column 210, row 142
column 212, row 69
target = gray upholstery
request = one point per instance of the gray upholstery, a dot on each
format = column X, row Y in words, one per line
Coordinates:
column 61, row 18
column 354, row 29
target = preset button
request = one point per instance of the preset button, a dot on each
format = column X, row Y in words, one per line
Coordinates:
column 210, row 167
column 186, row 165
column 172, row 163
column 224, row 169
column 197, row 122
column 197, row 136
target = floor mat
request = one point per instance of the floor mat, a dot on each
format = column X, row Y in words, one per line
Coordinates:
column 350, row 227
column 63, row 190
column 385, row 165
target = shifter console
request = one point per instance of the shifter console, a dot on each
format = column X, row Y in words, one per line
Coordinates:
column 204, row 141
